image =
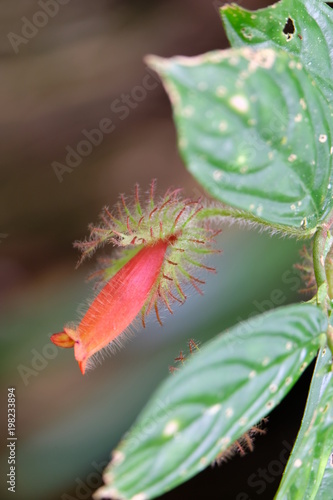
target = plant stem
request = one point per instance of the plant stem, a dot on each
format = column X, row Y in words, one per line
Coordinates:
column 235, row 214
column 322, row 244
column 319, row 243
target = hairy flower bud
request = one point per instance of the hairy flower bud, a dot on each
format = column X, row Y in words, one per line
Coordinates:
column 162, row 243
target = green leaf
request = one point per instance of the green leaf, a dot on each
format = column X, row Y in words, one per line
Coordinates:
column 303, row 476
column 326, row 485
column 256, row 132
column 312, row 39
column 224, row 389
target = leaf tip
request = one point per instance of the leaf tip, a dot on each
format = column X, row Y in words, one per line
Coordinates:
column 156, row 63
column 106, row 492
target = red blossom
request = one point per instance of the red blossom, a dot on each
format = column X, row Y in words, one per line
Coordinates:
column 161, row 244
column 116, row 306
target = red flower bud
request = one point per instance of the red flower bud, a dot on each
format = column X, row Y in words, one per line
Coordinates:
column 159, row 242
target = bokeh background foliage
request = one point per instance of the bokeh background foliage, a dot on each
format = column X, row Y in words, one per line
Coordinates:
column 61, row 82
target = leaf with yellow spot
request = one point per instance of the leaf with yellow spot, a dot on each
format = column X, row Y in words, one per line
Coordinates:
column 303, row 28
column 256, row 131
column 216, row 396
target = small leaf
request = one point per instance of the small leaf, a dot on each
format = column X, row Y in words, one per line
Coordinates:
column 256, row 132
column 303, row 476
column 224, row 389
column 304, row 28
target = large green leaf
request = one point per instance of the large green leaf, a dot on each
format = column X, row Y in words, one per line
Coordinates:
column 256, row 131
column 229, row 385
column 303, row 475
column 303, row 28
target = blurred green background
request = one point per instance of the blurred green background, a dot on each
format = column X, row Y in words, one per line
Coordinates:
column 58, row 82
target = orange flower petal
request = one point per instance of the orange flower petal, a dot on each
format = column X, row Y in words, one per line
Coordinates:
column 62, row 339
column 116, row 306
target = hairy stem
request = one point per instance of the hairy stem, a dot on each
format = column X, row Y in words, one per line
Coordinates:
column 244, row 216
column 319, row 244
column 322, row 245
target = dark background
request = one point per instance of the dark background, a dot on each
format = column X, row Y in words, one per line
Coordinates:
column 59, row 83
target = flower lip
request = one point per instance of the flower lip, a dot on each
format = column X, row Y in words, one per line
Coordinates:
column 82, row 366
column 62, row 339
